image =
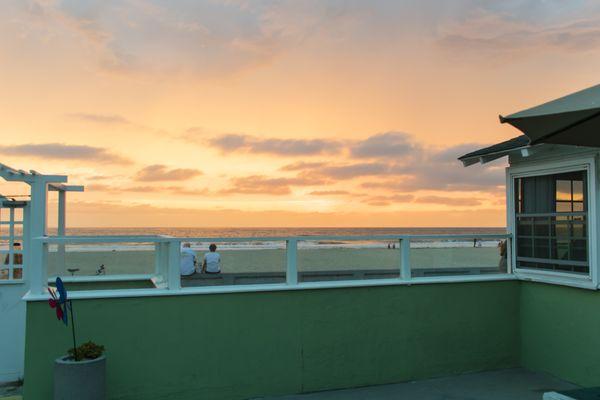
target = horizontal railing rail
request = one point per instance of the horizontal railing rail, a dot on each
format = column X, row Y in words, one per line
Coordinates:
column 167, row 253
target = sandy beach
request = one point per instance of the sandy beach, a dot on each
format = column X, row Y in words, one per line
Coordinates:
column 273, row 260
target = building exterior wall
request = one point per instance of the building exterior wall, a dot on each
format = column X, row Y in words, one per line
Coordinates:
column 12, row 331
column 560, row 332
column 240, row 345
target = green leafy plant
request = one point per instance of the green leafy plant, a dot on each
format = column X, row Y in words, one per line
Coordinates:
column 87, row 351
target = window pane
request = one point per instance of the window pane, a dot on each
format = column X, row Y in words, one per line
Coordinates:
column 578, row 206
column 525, row 226
column 562, row 229
column 525, row 248
column 562, row 206
column 560, row 249
column 542, row 226
column 578, row 229
column 541, row 248
column 563, row 190
column 578, row 191
column 579, row 250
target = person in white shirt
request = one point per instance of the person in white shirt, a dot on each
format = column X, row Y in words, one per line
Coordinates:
column 212, row 261
column 187, row 265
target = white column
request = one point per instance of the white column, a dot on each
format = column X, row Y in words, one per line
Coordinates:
column 37, row 228
column 62, row 219
column 11, row 243
column 292, row 262
column 173, row 275
column 157, row 259
column 26, row 243
column 405, row 273
column 509, row 255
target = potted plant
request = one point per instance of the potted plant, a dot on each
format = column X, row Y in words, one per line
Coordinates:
column 81, row 374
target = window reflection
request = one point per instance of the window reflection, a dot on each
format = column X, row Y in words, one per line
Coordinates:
column 551, row 229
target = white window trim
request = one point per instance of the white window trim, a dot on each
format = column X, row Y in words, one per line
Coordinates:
column 547, row 167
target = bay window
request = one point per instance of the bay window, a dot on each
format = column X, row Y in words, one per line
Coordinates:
column 551, row 222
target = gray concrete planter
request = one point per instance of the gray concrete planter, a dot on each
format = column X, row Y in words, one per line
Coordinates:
column 80, row 380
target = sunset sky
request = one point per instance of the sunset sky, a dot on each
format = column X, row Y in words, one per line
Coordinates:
column 275, row 113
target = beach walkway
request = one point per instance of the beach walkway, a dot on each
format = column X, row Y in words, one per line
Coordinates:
column 495, row 385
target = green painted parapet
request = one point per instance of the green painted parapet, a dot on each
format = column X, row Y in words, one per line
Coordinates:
column 560, row 332
column 237, row 346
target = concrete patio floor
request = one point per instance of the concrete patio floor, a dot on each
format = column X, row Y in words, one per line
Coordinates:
column 495, row 385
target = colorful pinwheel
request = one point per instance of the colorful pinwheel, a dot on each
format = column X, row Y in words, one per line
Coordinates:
column 60, row 304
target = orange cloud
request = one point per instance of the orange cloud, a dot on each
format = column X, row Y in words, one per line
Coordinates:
column 61, row 151
column 158, row 172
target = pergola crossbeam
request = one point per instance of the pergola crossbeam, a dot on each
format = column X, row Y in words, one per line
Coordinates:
column 54, row 187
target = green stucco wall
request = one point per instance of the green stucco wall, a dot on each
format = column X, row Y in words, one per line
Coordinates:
column 560, row 332
column 236, row 346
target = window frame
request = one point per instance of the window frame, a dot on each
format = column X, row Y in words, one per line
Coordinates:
column 550, row 167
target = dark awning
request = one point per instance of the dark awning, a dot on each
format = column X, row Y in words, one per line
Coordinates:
column 570, row 120
column 494, row 152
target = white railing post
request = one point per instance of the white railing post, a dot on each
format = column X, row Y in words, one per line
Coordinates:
column 38, row 267
column 509, row 255
column 174, row 260
column 62, row 218
column 291, row 274
column 158, row 259
column 11, row 243
column 405, row 273
column 26, row 239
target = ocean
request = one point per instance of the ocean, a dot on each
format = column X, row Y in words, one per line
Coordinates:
column 283, row 232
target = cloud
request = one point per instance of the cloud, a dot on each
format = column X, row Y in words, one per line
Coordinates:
column 281, row 147
column 382, row 201
column 522, row 29
column 351, row 171
column 157, row 172
column 98, row 177
column 301, row 165
column 148, row 189
column 420, row 168
column 329, row 193
column 106, row 119
column 258, row 184
column 386, row 145
column 449, row 201
column 62, row 151
column 205, row 38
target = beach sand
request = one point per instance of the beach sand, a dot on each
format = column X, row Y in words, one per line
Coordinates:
column 274, row 260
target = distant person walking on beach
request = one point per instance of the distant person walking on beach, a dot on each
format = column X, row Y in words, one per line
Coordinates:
column 212, row 261
column 187, row 265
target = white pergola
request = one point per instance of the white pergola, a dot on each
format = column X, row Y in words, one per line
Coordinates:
column 35, row 217
column 34, row 276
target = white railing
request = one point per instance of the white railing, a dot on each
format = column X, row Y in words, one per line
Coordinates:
column 167, row 251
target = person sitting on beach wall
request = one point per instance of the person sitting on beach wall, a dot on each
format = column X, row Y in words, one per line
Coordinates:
column 212, row 261
column 187, row 265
